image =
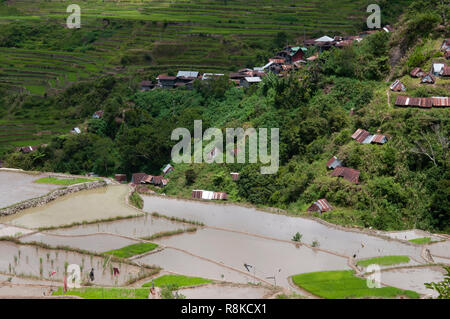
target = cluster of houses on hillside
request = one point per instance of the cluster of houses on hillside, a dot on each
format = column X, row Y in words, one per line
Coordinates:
column 284, row 61
column 326, row 42
column 350, row 174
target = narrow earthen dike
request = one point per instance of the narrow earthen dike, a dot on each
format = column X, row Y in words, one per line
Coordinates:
column 39, row 201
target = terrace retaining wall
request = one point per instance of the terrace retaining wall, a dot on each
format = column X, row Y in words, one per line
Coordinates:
column 39, row 201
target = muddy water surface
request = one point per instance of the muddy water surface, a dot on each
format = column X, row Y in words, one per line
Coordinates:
column 86, row 205
column 37, row 262
column 182, row 263
column 94, row 243
column 413, row 278
column 17, row 187
column 137, row 227
column 268, row 257
column 279, row 226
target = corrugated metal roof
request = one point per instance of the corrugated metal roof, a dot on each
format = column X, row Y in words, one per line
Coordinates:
column 187, row 74
column 414, row 101
column 324, row 205
column 441, row 101
column 253, row 79
column 360, row 135
column 333, row 162
column 325, row 38
column 416, row 72
column 166, row 77
column 446, row 71
column 350, row 174
column 378, row 138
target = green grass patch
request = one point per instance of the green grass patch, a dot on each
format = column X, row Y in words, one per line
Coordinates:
column 384, row 261
column 136, row 200
column 343, row 284
column 421, row 241
column 105, row 293
column 132, row 250
column 62, row 181
column 177, row 280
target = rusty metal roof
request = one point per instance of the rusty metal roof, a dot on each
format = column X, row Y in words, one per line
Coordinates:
column 414, row 101
column 350, row 174
column 441, row 101
column 446, row 71
column 379, row 138
column 360, row 135
column 416, row 72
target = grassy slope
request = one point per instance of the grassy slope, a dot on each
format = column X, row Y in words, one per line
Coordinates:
column 106, row 293
column 178, row 280
column 62, row 181
column 384, row 261
column 132, row 250
column 343, row 284
column 423, row 240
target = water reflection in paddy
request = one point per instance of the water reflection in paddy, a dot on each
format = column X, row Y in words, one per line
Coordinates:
column 182, row 263
column 141, row 226
column 34, row 261
column 93, row 243
column 279, row 226
column 16, row 187
column 86, row 205
column 269, row 257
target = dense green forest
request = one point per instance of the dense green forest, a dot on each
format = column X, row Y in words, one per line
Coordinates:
column 404, row 183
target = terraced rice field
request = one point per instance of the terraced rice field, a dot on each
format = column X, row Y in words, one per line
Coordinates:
column 205, row 35
column 216, row 254
column 16, row 187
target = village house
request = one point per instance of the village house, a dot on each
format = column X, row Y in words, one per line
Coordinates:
column 75, row 130
column 207, row 76
column 146, row 85
column 439, row 101
column 98, row 114
column 416, row 73
column 445, row 44
column 247, row 81
column 320, row 206
column 428, row 78
column 167, row 169
column 437, row 68
column 27, row 149
column 234, row 176
column 447, row 54
column 397, row 86
column 445, row 71
column 350, row 174
column 414, row 101
column 142, row 178
column 166, row 81
column 333, row 162
column 208, row 195
column 364, row 137
column 187, row 76
column 121, row 178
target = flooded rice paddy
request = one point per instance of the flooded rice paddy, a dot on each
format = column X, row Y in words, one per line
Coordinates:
column 180, row 262
column 37, row 262
column 16, row 187
column 268, row 257
column 137, row 227
column 11, row 231
column 95, row 243
column 413, row 278
column 86, row 205
column 278, row 226
column 441, row 249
